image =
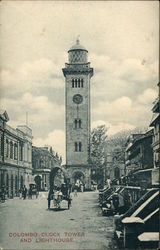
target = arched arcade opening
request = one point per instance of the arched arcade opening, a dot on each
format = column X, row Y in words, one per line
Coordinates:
column 78, row 178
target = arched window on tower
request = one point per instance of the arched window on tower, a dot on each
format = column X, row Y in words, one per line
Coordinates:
column 80, row 123
column 82, row 83
column 80, row 147
column 75, row 123
column 76, row 146
column 72, row 83
column 79, row 83
column 75, row 83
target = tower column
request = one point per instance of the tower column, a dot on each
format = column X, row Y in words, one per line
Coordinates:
column 77, row 75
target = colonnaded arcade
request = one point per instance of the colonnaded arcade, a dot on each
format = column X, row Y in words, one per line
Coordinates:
column 77, row 104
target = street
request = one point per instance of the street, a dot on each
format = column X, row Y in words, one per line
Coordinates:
column 28, row 224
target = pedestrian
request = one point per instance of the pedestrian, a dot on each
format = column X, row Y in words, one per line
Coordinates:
column 30, row 192
column 24, row 192
column 69, row 188
column 75, row 190
column 82, row 188
column 108, row 182
column 20, row 193
column 64, row 189
column 3, row 193
column 50, row 197
column 37, row 193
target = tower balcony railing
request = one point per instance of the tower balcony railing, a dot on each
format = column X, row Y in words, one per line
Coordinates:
column 77, row 66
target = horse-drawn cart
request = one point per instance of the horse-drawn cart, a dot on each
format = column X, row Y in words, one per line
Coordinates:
column 59, row 188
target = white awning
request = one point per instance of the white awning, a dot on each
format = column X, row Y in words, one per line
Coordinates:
column 149, row 236
column 130, row 220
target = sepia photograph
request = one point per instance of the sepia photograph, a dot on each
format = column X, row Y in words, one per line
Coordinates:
column 79, row 125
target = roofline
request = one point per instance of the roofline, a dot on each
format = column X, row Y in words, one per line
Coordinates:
column 77, row 49
column 144, row 137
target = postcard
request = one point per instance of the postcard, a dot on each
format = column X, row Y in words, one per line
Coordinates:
column 79, row 125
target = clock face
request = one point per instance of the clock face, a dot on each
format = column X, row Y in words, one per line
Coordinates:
column 77, row 99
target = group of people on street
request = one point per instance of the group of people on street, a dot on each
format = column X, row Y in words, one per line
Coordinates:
column 23, row 192
column 79, row 186
column 58, row 193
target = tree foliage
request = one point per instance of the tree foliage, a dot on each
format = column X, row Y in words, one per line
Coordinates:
column 97, row 146
column 117, row 143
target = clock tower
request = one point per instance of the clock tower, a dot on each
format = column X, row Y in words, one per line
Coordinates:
column 77, row 105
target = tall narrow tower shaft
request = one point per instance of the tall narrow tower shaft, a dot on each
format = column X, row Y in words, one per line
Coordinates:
column 77, row 104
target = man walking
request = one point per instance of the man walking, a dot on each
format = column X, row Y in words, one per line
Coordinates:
column 24, row 192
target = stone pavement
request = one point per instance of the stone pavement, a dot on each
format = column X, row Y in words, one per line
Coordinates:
column 28, row 224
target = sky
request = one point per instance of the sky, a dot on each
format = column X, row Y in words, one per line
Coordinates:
column 122, row 40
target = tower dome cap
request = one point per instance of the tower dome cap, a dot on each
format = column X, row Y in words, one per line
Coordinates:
column 77, row 46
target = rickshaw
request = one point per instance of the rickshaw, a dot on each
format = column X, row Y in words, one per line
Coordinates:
column 33, row 190
column 59, row 188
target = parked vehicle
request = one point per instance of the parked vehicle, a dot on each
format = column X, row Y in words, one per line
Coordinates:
column 133, row 227
column 114, row 203
column 59, row 188
column 144, row 211
column 148, row 240
column 104, row 194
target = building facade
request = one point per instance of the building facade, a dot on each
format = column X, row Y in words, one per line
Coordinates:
column 155, row 123
column 139, row 158
column 43, row 160
column 115, row 159
column 77, row 103
column 16, row 156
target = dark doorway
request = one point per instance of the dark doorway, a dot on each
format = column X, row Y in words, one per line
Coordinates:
column 21, row 182
column 7, row 185
column 16, row 185
column 2, row 180
column 37, row 180
column 12, row 186
column 78, row 175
